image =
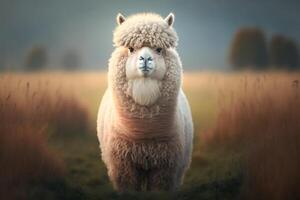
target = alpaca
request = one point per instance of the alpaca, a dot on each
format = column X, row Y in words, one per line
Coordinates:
column 144, row 124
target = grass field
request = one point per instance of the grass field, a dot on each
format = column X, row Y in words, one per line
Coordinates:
column 231, row 112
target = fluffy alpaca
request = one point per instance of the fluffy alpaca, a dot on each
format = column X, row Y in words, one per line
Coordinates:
column 144, row 123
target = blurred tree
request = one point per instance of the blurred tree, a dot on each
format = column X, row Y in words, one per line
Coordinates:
column 249, row 49
column 3, row 60
column 71, row 60
column 284, row 53
column 36, row 58
column 2, row 64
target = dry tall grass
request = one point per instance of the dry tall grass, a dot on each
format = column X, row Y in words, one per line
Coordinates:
column 31, row 111
column 259, row 117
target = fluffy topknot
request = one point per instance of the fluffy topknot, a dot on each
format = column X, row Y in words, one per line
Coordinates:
column 145, row 29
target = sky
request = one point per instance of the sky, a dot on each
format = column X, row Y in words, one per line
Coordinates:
column 205, row 27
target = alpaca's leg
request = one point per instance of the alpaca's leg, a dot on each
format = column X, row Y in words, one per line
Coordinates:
column 124, row 177
column 162, row 179
column 179, row 176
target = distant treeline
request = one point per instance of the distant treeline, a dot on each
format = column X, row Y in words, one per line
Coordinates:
column 37, row 59
column 251, row 50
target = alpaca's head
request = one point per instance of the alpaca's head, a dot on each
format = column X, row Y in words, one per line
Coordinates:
column 147, row 39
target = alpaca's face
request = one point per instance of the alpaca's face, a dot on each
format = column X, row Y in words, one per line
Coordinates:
column 145, row 68
column 145, row 62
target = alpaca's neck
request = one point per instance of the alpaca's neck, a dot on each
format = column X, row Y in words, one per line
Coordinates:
column 146, row 122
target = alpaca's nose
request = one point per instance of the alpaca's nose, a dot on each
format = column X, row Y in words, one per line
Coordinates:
column 145, row 61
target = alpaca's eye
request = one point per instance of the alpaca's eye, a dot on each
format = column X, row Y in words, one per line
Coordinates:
column 131, row 49
column 158, row 50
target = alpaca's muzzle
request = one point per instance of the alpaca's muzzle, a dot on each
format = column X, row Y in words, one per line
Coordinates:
column 146, row 63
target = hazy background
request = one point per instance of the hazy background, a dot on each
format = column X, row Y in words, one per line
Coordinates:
column 246, row 124
column 205, row 27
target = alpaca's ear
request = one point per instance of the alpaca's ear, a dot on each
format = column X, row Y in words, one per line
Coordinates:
column 170, row 19
column 120, row 19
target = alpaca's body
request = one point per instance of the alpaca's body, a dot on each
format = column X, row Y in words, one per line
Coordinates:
column 145, row 139
column 152, row 163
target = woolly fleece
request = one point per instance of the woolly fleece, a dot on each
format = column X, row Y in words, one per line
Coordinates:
column 145, row 147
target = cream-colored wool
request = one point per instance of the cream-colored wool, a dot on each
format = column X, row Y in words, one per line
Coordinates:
column 144, row 91
column 144, row 124
column 143, row 28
